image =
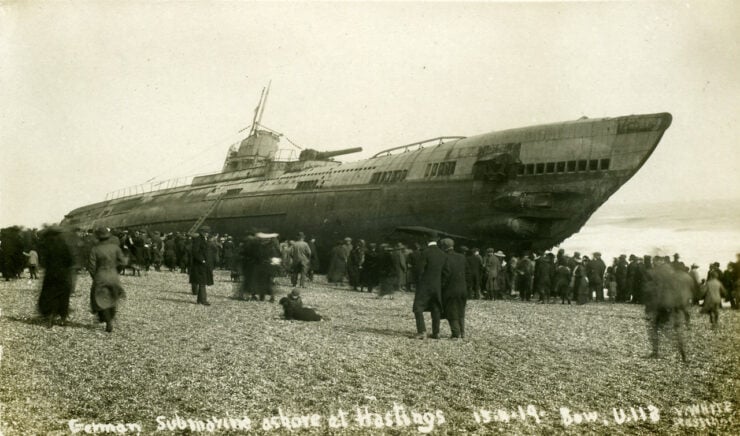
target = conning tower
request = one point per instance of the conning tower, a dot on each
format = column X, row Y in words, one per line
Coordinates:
column 256, row 149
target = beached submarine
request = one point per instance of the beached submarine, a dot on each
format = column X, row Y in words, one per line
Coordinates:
column 520, row 189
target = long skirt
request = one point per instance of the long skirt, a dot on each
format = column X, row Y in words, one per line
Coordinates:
column 337, row 270
column 56, row 289
column 388, row 285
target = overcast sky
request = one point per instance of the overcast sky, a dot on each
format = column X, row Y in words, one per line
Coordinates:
column 97, row 96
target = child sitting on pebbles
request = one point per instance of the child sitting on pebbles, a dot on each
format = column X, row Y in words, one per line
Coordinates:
column 293, row 308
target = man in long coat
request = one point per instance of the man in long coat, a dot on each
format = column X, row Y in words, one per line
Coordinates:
column 428, row 297
column 544, row 273
column 492, row 270
column 354, row 265
column 300, row 255
column 454, row 288
column 524, row 273
column 667, row 303
column 595, row 273
column 621, row 276
column 201, row 265
column 106, row 290
column 474, row 273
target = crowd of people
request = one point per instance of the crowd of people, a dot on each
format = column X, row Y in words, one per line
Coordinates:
column 442, row 276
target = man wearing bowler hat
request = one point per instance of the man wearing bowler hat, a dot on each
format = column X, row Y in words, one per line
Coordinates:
column 428, row 297
column 201, row 266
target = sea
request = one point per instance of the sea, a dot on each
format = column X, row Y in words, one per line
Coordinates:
column 701, row 232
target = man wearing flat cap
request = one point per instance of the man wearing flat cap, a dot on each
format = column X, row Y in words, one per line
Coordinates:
column 595, row 270
column 300, row 255
column 201, row 265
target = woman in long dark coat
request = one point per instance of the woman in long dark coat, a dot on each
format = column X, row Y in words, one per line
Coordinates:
column 58, row 259
column 106, row 288
column 370, row 276
column 170, row 256
column 337, row 264
column 387, row 274
column 268, row 265
column 249, row 259
column 580, row 283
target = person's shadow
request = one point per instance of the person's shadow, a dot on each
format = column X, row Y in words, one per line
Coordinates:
column 42, row 322
column 175, row 300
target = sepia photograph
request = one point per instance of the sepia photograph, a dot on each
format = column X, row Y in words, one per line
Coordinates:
column 369, row 218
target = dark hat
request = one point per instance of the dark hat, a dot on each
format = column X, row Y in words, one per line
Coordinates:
column 102, row 233
column 577, row 257
column 204, row 229
column 489, row 250
column 295, row 293
column 301, row 235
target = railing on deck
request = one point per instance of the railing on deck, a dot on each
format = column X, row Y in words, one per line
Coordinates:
column 285, row 155
column 419, row 145
column 149, row 187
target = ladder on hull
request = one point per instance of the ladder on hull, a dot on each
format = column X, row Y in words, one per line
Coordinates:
column 107, row 209
column 207, row 213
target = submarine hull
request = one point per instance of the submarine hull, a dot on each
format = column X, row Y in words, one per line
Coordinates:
column 519, row 189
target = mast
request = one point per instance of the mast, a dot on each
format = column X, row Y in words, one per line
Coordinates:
column 256, row 113
column 264, row 103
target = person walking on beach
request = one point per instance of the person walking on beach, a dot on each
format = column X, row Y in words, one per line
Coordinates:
column 33, row 263
column 667, row 302
column 713, row 292
column 59, row 276
column 201, row 266
column 106, row 290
